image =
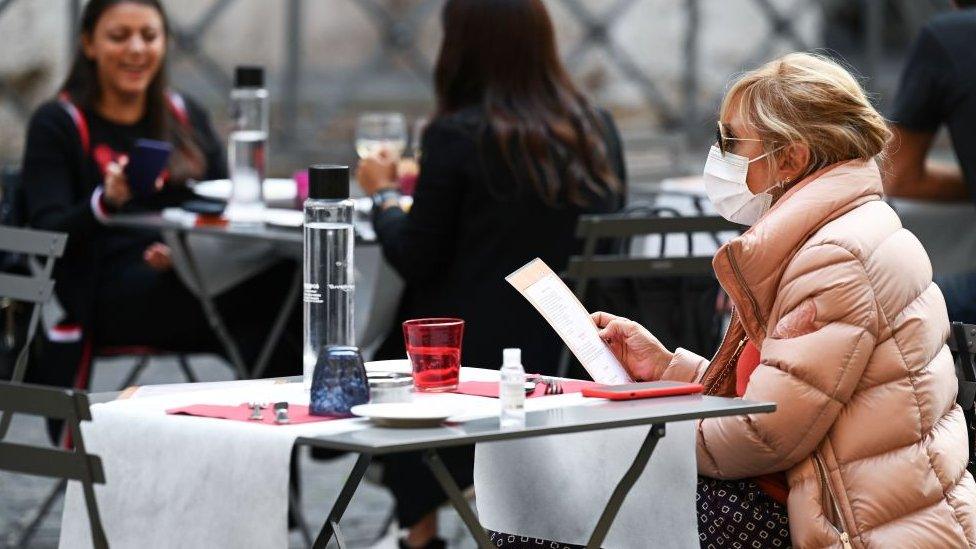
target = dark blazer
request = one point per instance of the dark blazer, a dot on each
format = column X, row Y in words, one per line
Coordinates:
column 474, row 221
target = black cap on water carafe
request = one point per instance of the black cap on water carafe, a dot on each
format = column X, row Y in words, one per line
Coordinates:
column 328, row 181
column 248, row 76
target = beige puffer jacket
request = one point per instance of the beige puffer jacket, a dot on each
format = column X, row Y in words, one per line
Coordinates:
column 839, row 300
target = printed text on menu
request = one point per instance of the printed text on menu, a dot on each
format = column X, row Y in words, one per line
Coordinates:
column 571, row 321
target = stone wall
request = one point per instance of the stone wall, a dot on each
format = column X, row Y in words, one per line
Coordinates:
column 339, row 37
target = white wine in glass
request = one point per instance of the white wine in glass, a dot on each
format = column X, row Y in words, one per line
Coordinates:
column 419, row 125
column 379, row 131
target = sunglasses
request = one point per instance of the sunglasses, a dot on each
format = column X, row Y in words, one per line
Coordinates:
column 724, row 138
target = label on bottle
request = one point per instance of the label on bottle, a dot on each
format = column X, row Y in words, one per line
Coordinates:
column 512, row 395
column 312, row 294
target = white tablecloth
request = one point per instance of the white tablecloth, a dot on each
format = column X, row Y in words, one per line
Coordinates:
column 556, row 487
column 177, row 481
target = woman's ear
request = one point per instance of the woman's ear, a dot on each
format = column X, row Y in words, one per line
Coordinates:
column 87, row 47
column 794, row 162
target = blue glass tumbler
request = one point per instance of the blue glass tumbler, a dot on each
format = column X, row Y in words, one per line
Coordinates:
column 338, row 382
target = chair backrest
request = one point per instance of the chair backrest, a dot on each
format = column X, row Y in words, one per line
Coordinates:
column 962, row 343
column 34, row 288
column 621, row 264
column 76, row 464
column 594, row 228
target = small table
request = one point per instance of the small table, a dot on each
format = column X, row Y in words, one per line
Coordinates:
column 288, row 242
column 657, row 413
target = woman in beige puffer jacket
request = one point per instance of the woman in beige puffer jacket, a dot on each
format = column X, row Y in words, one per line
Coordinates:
column 838, row 299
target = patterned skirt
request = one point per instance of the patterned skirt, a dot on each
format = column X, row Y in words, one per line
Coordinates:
column 731, row 513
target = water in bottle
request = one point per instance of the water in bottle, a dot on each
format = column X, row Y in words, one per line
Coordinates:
column 247, row 150
column 328, row 265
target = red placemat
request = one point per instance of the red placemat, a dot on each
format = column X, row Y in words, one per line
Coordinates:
column 296, row 413
column 490, row 388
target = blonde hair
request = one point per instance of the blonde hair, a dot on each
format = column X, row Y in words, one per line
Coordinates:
column 809, row 99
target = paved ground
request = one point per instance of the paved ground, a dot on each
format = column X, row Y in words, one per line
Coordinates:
column 321, row 480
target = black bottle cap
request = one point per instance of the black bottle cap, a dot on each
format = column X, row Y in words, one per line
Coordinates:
column 328, row 181
column 249, row 76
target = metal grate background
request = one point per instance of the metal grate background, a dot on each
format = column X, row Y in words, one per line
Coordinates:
column 314, row 112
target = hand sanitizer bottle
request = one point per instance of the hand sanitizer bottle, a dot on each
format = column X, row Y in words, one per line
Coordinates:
column 512, row 390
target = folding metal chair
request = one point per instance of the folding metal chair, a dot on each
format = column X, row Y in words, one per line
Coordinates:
column 593, row 229
column 76, row 464
column 35, row 289
column 962, row 343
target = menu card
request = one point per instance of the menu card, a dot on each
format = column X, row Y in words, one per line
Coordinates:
column 567, row 316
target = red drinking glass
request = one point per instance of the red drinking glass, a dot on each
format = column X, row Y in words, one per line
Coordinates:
column 434, row 348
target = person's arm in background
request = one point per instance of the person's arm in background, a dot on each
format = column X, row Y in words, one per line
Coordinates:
column 419, row 245
column 910, row 174
column 925, row 98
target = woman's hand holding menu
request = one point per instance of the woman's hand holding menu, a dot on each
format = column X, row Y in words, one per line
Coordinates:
column 639, row 352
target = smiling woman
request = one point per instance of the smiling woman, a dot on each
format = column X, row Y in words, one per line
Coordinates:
column 120, row 72
column 127, row 44
column 116, row 285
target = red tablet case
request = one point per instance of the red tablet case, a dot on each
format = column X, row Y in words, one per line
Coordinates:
column 650, row 389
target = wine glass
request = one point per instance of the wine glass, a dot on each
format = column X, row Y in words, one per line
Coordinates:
column 379, row 131
column 419, row 125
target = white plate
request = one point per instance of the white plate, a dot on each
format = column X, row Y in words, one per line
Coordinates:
column 279, row 217
column 275, row 189
column 401, row 365
column 405, row 414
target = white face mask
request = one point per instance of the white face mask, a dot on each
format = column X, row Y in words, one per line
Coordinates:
column 725, row 184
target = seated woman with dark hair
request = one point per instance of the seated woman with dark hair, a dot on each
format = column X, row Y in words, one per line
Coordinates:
column 511, row 159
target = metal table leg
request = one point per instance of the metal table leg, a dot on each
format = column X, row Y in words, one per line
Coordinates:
column 623, row 487
column 460, row 505
column 331, row 525
column 606, row 518
column 210, row 309
column 271, row 341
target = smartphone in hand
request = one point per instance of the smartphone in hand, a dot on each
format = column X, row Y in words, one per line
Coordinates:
column 146, row 163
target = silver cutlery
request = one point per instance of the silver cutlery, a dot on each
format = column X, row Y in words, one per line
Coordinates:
column 281, row 412
column 553, row 386
column 256, row 408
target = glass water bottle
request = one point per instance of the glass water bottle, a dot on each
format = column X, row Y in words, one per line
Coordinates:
column 247, row 150
column 328, row 265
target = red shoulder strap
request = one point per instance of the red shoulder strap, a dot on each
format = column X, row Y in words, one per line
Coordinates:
column 177, row 106
column 78, row 117
column 174, row 101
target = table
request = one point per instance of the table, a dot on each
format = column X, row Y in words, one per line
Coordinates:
column 256, row 247
column 164, row 472
column 605, row 415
